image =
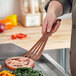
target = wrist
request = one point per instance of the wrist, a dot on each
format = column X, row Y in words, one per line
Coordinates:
column 56, row 8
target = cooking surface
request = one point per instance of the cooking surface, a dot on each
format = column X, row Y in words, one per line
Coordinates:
column 61, row 39
column 43, row 64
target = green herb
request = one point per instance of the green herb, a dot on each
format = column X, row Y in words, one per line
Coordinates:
column 27, row 72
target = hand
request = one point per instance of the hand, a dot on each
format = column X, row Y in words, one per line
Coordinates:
column 54, row 10
column 50, row 24
column 55, row 26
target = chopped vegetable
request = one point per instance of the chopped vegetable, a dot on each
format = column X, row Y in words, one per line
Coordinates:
column 8, row 23
column 19, row 36
column 27, row 72
column 13, row 18
column 14, row 37
column 2, row 27
column 6, row 73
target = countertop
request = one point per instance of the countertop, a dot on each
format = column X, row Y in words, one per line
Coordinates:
column 60, row 39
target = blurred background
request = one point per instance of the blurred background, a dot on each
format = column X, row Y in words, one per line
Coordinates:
column 9, row 7
column 33, row 15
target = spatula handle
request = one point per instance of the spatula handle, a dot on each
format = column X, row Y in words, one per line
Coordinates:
column 47, row 34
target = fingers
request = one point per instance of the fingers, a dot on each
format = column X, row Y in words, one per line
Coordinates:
column 50, row 24
column 55, row 28
column 47, row 24
column 44, row 26
column 51, row 27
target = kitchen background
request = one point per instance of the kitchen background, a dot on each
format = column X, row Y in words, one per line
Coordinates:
column 9, row 7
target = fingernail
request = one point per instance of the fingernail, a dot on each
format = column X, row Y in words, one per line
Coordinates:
column 48, row 30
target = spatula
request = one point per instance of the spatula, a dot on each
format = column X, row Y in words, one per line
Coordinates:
column 36, row 51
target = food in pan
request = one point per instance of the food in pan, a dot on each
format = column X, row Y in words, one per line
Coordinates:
column 27, row 72
column 16, row 62
column 0, row 66
column 6, row 73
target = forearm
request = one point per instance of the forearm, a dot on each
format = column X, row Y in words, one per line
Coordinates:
column 56, row 8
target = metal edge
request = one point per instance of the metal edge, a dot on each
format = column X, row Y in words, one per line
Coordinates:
column 58, row 69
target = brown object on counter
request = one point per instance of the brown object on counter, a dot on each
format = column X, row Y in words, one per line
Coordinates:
column 31, row 19
column 37, row 6
column 34, row 6
column 0, row 66
column 29, row 14
column 25, row 6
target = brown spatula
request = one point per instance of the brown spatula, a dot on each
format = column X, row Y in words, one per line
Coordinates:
column 36, row 51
